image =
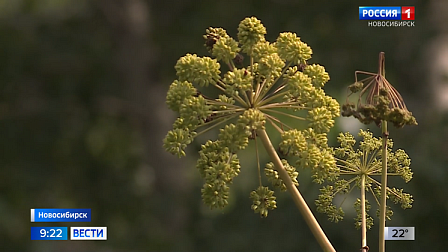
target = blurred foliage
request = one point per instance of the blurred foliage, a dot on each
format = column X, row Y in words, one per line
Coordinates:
column 82, row 116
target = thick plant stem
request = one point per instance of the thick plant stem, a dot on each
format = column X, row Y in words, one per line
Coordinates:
column 363, row 215
column 382, row 247
column 296, row 196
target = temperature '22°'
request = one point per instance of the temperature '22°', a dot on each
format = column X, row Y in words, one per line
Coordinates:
column 399, row 233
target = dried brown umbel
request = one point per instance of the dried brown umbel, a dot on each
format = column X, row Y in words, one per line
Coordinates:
column 378, row 100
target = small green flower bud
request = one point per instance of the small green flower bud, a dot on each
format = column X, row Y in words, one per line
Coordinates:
column 263, row 200
column 239, row 80
column 317, row 74
column 213, row 152
column 224, row 99
column 250, row 32
column 177, row 92
column 326, row 168
column 180, row 123
column 321, row 119
column 194, row 111
column 309, row 158
column 293, row 142
column 271, row 66
column 319, row 139
column 200, row 70
column 290, row 72
column 212, row 35
column 332, row 105
column 291, row 48
column 177, row 140
column 225, row 49
column 252, row 118
column 220, row 171
column 234, row 137
column 263, row 49
column 215, row 194
column 300, row 87
column 317, row 98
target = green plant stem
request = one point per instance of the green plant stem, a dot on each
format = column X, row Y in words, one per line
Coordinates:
column 363, row 213
column 385, row 134
column 382, row 247
column 296, row 196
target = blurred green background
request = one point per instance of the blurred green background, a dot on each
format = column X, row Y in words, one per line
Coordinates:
column 82, row 118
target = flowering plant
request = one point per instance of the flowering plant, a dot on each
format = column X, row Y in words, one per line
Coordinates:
column 278, row 82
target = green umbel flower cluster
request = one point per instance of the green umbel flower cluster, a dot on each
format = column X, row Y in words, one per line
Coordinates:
column 263, row 200
column 276, row 84
column 200, row 70
column 312, row 152
column 289, row 44
column 365, row 161
column 250, row 32
column 325, row 203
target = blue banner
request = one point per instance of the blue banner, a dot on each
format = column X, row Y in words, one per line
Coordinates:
column 49, row 233
column 60, row 215
column 379, row 13
column 88, row 233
